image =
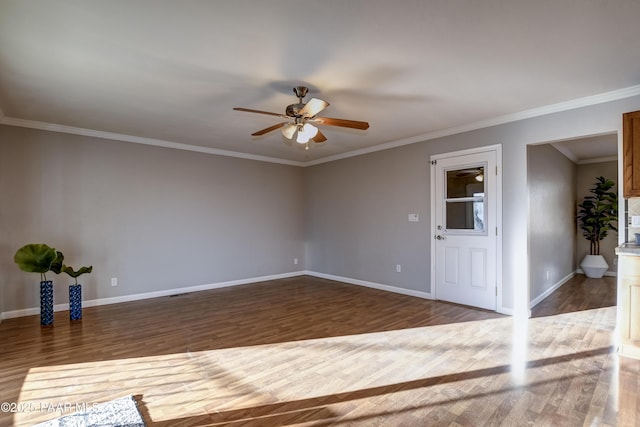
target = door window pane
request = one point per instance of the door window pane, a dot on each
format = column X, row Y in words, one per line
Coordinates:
column 465, row 182
column 465, row 196
column 465, row 215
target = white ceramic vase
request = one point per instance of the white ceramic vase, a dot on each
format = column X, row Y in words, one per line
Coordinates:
column 594, row 266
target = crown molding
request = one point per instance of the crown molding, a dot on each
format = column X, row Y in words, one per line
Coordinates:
column 500, row 120
column 507, row 118
column 598, row 160
column 33, row 124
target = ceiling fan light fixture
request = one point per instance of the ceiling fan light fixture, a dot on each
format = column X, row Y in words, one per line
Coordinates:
column 302, row 138
column 309, row 130
column 305, row 133
column 289, row 130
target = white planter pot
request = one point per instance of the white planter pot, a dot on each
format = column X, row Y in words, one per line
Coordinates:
column 594, row 266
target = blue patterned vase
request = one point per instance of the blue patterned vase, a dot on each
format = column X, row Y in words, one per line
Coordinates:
column 46, row 302
column 75, row 302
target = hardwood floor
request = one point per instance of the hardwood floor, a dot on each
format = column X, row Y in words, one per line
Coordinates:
column 313, row 352
column 579, row 293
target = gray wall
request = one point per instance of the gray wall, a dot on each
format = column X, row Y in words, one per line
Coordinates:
column 155, row 218
column 357, row 218
column 356, row 207
column 587, row 175
column 161, row 219
column 552, row 208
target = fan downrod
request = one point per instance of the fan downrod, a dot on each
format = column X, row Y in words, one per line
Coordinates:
column 301, row 92
column 293, row 109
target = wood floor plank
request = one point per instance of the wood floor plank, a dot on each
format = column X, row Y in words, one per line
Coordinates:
column 313, row 352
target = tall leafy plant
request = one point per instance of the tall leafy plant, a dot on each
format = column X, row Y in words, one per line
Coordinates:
column 598, row 213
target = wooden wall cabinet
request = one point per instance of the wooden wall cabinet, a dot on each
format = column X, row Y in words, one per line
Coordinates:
column 631, row 153
column 629, row 301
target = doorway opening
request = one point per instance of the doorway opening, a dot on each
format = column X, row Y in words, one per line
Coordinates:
column 559, row 175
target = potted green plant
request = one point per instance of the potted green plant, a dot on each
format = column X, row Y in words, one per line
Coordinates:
column 597, row 215
column 41, row 258
column 75, row 291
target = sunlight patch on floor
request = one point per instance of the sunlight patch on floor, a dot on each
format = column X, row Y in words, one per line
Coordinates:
column 452, row 364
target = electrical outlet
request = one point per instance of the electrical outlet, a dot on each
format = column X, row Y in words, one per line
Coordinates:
column 295, row 261
column 114, row 281
column 398, row 268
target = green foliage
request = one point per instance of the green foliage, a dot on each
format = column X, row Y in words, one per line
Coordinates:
column 598, row 212
column 56, row 265
column 76, row 273
column 40, row 258
column 37, row 258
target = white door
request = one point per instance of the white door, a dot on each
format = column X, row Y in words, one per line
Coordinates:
column 465, row 207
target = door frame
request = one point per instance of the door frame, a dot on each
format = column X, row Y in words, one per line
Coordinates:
column 497, row 148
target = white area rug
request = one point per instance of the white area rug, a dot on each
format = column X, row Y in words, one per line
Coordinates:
column 122, row 412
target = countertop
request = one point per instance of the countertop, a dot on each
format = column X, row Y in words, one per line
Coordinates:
column 628, row 249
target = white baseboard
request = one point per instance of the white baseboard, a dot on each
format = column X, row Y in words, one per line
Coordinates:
column 551, row 290
column 426, row 295
column 148, row 295
column 168, row 292
column 388, row 288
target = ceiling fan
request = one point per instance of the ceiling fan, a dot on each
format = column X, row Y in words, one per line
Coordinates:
column 301, row 117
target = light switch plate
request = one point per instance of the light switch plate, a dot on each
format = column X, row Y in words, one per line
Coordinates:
column 635, row 220
column 414, row 217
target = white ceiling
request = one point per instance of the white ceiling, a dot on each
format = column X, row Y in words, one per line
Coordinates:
column 170, row 72
column 598, row 148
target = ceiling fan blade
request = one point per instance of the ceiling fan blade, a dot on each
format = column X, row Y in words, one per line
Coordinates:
column 313, row 107
column 269, row 129
column 354, row 124
column 319, row 137
column 249, row 110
